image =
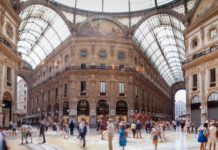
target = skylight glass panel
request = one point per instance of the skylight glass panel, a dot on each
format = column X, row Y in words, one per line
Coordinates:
column 92, row 5
column 40, row 32
column 113, row 5
column 159, row 41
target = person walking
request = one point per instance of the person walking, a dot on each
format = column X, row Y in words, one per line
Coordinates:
column 3, row 143
column 203, row 136
column 66, row 130
column 14, row 127
column 28, row 133
column 83, row 131
column 42, row 129
column 71, row 127
column 23, row 132
column 155, row 133
column 138, row 129
column 174, row 125
column 212, row 136
column 133, row 128
column 110, row 131
column 122, row 137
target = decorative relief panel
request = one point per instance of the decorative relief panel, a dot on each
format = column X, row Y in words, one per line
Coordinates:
column 102, row 28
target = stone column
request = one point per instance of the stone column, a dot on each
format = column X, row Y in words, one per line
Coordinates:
column 202, row 89
column 188, row 106
column 1, row 93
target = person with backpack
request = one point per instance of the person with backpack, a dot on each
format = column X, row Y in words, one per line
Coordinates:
column 203, row 136
column 133, row 128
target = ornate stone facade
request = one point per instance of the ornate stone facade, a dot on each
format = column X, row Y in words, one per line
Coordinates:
column 201, row 66
column 9, row 60
column 129, row 79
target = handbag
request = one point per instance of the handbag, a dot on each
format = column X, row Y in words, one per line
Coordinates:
column 217, row 134
column 125, row 133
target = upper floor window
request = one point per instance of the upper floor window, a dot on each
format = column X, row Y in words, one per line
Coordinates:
column 56, row 93
column 121, row 89
column 8, row 76
column 66, row 58
column 102, row 66
column 83, row 53
column 102, row 54
column 212, row 77
column 121, row 55
column 65, row 90
column 213, row 33
column 136, row 91
column 194, row 82
column 43, row 97
column 50, row 69
column 135, row 61
column 194, row 42
column 121, row 66
column 83, row 66
column 83, row 88
column 49, row 95
column 102, row 88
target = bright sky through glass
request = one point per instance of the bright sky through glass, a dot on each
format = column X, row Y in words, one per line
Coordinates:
column 181, row 96
column 113, row 5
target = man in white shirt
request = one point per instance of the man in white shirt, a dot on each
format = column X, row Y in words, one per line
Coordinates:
column 110, row 131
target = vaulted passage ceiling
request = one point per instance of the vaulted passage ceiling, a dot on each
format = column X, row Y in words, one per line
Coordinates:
column 161, row 39
column 40, row 32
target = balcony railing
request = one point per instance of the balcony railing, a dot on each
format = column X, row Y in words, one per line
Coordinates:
column 200, row 54
column 93, row 67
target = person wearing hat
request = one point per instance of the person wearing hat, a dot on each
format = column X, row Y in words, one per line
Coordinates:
column 110, row 131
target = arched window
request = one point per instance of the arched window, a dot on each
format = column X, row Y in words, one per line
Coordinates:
column 213, row 97
column 196, row 100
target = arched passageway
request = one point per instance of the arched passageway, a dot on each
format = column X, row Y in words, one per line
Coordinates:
column 196, row 110
column 121, row 111
column 212, row 105
column 83, row 110
column 7, row 109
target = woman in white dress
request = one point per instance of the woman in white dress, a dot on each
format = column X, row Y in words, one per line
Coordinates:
column 212, row 137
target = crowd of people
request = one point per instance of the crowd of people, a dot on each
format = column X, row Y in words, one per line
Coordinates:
column 207, row 132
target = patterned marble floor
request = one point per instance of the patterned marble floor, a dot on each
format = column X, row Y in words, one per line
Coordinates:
column 56, row 141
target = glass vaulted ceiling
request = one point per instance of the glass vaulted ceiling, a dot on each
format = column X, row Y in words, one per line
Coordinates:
column 113, row 5
column 161, row 39
column 40, row 32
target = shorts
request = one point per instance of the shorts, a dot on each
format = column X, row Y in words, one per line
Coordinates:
column 155, row 137
column 28, row 134
column 23, row 134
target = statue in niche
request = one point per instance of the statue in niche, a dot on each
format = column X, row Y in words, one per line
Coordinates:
column 2, row 19
column 72, row 50
column 112, row 51
column 93, row 49
column 9, row 30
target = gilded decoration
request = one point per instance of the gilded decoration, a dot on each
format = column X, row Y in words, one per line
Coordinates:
column 102, row 28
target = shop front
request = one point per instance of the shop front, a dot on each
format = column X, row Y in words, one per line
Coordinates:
column 83, row 110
